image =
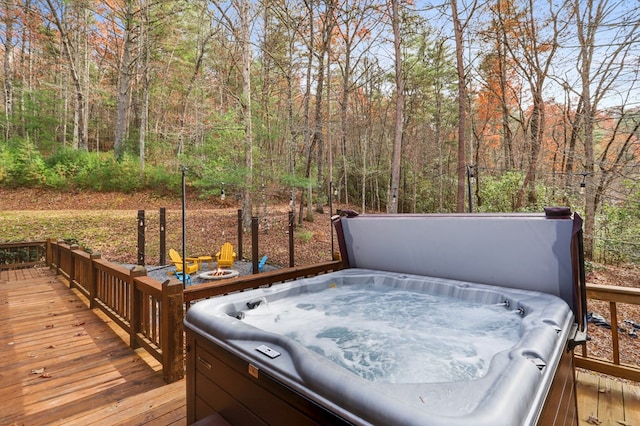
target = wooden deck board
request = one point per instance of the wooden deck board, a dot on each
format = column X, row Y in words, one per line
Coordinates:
column 97, row 379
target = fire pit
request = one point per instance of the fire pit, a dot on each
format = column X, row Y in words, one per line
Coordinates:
column 219, row 274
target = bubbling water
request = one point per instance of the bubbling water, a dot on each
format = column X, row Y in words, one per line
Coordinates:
column 392, row 335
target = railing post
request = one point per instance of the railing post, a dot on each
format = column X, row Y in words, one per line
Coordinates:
column 135, row 305
column 72, row 265
column 93, row 280
column 141, row 237
column 163, row 236
column 50, row 259
column 171, row 332
column 240, row 257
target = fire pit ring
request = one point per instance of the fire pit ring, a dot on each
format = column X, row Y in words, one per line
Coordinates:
column 219, row 274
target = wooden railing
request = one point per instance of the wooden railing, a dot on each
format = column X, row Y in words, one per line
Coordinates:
column 23, row 254
column 613, row 367
column 151, row 312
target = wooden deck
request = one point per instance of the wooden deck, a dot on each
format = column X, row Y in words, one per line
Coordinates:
column 62, row 364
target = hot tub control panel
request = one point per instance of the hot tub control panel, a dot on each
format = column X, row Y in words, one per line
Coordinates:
column 271, row 353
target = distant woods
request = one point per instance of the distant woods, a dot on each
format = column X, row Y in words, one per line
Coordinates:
column 396, row 106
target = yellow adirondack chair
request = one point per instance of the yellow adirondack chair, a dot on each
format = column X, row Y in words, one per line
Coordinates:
column 226, row 255
column 176, row 259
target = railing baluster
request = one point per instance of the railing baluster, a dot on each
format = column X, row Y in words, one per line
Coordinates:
column 614, row 333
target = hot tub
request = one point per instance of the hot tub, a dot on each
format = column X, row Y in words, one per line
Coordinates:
column 433, row 320
column 372, row 364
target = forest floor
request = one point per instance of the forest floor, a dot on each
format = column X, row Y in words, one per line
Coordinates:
column 107, row 223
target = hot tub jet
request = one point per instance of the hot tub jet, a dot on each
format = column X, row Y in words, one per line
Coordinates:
column 254, row 304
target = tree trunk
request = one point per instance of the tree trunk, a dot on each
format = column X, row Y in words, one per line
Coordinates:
column 462, row 107
column 8, row 18
column 71, row 51
column 308, row 139
column 392, row 198
column 246, row 111
column 145, row 48
column 124, row 79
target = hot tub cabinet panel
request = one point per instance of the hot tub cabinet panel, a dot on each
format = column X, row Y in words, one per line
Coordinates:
column 560, row 407
column 528, row 383
column 219, row 382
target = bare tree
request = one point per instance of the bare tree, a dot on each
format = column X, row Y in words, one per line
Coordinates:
column 9, row 15
column 462, row 106
column 241, row 33
column 131, row 31
column 57, row 13
column 392, row 198
column 534, row 57
column 599, row 68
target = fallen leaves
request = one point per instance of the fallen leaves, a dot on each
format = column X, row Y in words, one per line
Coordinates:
column 593, row 420
column 41, row 373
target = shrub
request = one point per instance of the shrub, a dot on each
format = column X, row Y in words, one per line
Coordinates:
column 25, row 166
column 161, row 180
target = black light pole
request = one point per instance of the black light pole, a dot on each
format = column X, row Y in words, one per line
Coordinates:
column 469, row 175
column 184, row 227
column 331, row 215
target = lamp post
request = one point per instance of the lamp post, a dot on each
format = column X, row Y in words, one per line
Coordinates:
column 331, row 215
column 469, row 176
column 222, row 196
column 184, row 227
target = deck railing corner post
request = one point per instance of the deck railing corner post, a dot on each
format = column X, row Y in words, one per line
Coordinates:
column 135, row 305
column 172, row 336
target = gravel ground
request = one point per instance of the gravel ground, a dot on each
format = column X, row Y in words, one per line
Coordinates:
column 163, row 273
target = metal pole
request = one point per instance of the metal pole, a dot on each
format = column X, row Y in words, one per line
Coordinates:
column 254, row 244
column 330, row 216
column 240, row 257
column 469, row 187
column 291, row 255
column 184, row 227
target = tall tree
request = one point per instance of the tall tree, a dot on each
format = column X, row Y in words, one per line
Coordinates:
column 396, row 19
column 593, row 18
column 128, row 15
column 462, row 106
column 536, row 42
column 242, row 36
column 355, row 27
column 328, row 23
column 58, row 13
column 8, row 18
